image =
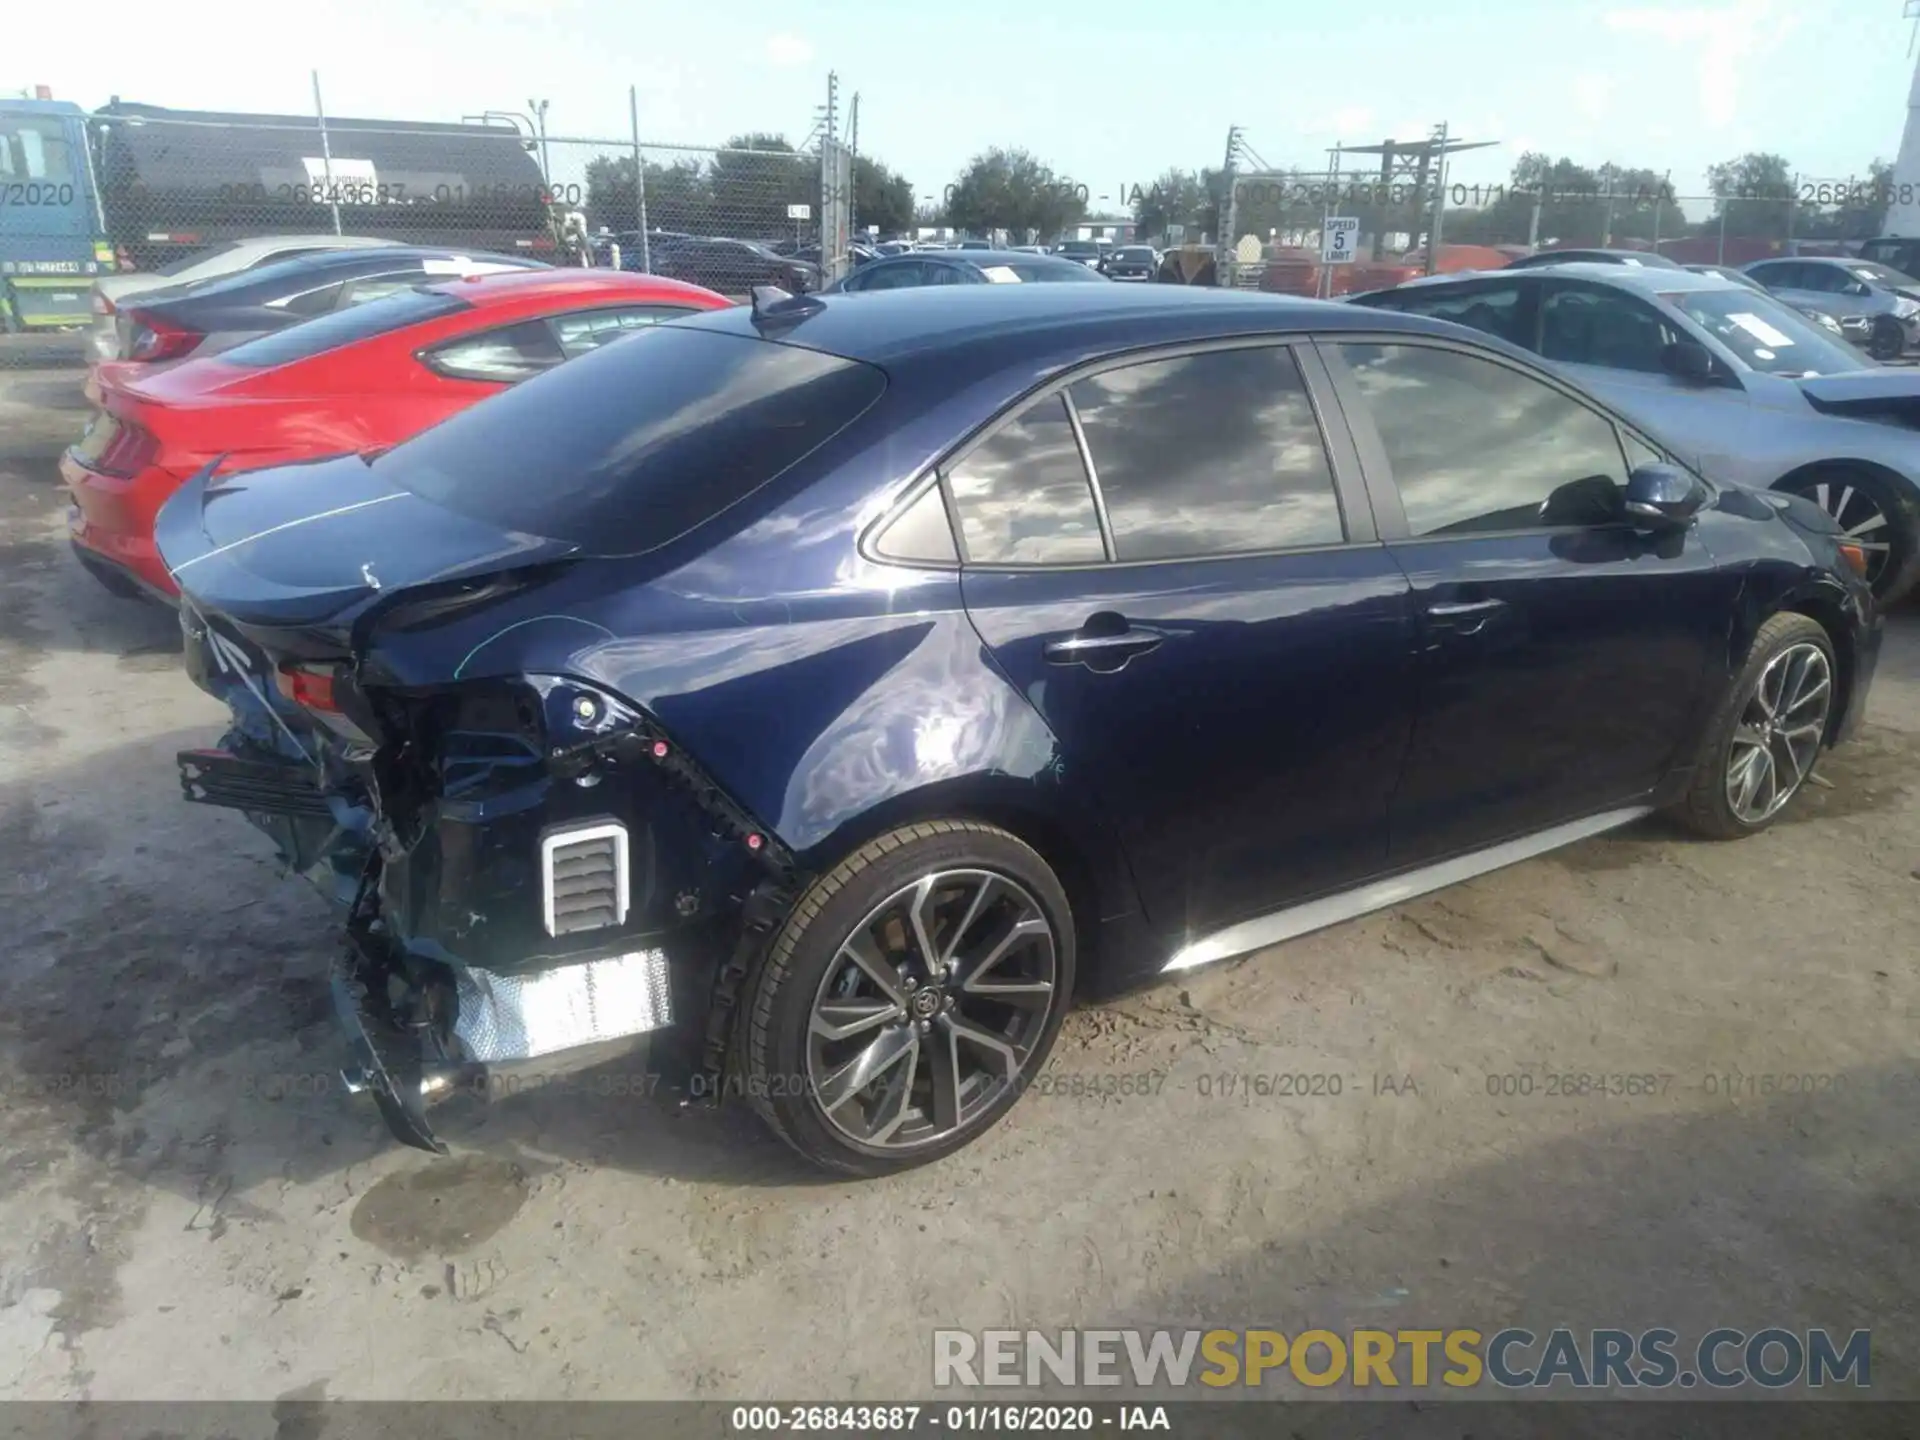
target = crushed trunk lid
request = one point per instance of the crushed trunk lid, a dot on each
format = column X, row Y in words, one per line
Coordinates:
column 321, row 543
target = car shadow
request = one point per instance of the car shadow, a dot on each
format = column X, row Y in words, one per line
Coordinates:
column 1746, row 1211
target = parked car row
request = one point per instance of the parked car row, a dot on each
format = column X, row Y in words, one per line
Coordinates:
column 818, row 694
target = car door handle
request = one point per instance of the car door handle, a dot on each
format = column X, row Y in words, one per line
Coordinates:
column 1102, row 652
column 1464, row 617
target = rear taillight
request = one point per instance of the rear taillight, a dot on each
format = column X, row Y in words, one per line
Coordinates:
column 308, row 686
column 128, row 451
column 154, row 339
column 101, row 304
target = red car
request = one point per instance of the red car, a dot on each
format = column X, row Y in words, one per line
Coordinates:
column 355, row 380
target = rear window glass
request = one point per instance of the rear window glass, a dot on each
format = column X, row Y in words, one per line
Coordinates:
column 632, row 445
column 344, row 327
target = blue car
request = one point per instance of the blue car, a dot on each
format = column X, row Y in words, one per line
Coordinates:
column 821, row 693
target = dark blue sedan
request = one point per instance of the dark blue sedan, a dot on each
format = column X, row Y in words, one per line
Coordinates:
column 823, row 692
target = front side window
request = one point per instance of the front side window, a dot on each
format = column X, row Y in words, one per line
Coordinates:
column 896, row 276
column 1821, row 279
column 1581, row 326
column 1211, row 454
column 1022, row 494
column 1477, row 446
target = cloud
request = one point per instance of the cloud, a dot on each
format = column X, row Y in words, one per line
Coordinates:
column 1593, row 94
column 788, row 50
column 1352, row 120
column 1726, row 38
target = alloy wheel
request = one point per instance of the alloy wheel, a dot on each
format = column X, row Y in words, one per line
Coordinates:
column 931, row 1009
column 1865, row 522
column 1779, row 734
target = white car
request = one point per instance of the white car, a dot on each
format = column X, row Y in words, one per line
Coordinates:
column 112, row 291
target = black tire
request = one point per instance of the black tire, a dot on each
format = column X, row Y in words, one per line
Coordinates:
column 1900, row 567
column 778, row 1079
column 1706, row 808
column 1888, row 340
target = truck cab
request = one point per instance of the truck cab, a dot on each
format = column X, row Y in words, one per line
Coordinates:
column 52, row 241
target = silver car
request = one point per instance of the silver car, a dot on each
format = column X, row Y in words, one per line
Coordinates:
column 1860, row 291
column 1738, row 385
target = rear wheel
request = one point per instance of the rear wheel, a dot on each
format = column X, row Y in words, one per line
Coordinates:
column 1768, row 732
column 913, row 992
column 1880, row 515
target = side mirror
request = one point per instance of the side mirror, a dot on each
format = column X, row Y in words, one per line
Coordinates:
column 1663, row 497
column 1689, row 362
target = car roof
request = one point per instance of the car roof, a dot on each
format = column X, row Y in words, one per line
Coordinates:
column 1619, row 256
column 886, row 327
column 980, row 257
column 513, row 287
column 1642, row 279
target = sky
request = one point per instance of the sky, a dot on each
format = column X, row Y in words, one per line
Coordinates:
column 1109, row 95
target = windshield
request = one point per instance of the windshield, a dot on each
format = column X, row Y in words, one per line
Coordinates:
column 1079, row 247
column 634, row 444
column 34, row 148
column 1133, row 252
column 1876, row 274
column 1765, row 334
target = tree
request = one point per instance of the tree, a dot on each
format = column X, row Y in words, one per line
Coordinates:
column 1177, row 197
column 1752, row 195
column 678, row 195
column 1012, row 190
column 1550, row 200
column 880, row 197
column 1846, row 210
column 753, row 180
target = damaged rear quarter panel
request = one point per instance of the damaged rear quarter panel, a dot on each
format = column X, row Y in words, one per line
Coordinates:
column 828, row 713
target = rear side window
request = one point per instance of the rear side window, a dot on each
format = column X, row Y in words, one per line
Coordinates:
column 344, row 327
column 509, row 354
column 1022, row 494
column 1213, row 454
column 1495, row 310
column 586, row 330
column 631, row 446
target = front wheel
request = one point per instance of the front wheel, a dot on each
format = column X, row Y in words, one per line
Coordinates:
column 1768, row 732
column 1880, row 515
column 912, row 994
column 1888, row 340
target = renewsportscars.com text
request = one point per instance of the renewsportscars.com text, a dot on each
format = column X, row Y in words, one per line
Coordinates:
column 1514, row 1359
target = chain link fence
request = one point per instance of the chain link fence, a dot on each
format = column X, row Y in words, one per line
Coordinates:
column 138, row 189
column 1274, row 221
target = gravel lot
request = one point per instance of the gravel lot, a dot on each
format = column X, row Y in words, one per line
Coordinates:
column 190, row 1207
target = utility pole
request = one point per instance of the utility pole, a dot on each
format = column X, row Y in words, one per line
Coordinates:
column 853, row 161
column 539, row 111
column 1439, row 200
column 1606, row 222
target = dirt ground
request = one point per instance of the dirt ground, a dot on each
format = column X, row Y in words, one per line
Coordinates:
column 191, row 1208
